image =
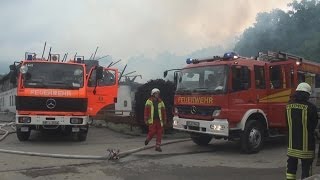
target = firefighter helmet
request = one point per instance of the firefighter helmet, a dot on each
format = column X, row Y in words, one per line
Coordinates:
column 155, row 90
column 305, row 87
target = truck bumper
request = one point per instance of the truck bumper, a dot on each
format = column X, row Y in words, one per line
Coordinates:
column 217, row 127
column 51, row 120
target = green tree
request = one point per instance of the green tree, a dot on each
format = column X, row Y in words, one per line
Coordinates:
column 295, row 31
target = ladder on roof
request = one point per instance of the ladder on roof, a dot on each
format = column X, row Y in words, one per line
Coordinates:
column 277, row 56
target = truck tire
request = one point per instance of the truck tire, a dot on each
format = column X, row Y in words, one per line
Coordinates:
column 201, row 139
column 23, row 136
column 82, row 136
column 252, row 138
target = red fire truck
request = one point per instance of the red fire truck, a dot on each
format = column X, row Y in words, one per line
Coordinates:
column 54, row 94
column 234, row 97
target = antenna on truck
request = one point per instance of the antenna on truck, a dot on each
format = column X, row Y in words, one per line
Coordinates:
column 129, row 73
column 95, row 53
column 102, row 57
column 111, row 64
column 74, row 58
column 44, row 48
column 122, row 72
column 65, row 57
column 49, row 56
column 91, row 56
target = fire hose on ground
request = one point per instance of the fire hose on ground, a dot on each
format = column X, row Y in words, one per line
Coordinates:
column 113, row 153
column 6, row 132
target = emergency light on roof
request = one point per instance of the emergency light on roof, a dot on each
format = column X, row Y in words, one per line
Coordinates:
column 226, row 56
column 30, row 56
column 79, row 60
column 230, row 55
column 196, row 61
column 192, row 61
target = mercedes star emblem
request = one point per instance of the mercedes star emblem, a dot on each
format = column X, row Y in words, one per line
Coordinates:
column 193, row 110
column 51, row 103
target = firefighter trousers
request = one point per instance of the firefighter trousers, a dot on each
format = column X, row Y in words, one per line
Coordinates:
column 292, row 164
column 155, row 128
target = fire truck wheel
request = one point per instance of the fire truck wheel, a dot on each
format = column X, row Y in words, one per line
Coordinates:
column 201, row 139
column 252, row 138
column 23, row 136
column 82, row 136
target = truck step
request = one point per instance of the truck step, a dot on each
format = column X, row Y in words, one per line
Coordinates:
column 276, row 135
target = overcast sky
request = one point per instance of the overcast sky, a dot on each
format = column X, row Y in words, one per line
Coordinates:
column 123, row 28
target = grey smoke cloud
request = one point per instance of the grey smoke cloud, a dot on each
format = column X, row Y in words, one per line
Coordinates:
column 124, row 28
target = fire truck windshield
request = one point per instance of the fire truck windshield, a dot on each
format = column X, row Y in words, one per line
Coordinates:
column 210, row 79
column 53, row 75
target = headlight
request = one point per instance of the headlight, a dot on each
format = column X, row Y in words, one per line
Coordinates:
column 217, row 127
column 76, row 120
column 175, row 122
column 23, row 119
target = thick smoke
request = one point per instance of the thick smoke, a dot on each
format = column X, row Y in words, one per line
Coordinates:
column 124, row 28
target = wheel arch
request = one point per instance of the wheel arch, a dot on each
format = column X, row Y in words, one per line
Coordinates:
column 253, row 114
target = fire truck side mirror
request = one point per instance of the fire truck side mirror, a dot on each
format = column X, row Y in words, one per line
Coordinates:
column 175, row 77
column 99, row 73
column 13, row 74
column 12, row 67
column 165, row 73
column 13, row 79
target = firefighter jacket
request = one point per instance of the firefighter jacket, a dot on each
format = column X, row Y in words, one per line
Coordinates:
column 302, row 120
column 149, row 111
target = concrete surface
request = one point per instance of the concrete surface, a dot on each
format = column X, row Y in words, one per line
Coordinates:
column 219, row 160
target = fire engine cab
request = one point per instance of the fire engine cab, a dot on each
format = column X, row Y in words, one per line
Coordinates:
column 234, row 97
column 60, row 95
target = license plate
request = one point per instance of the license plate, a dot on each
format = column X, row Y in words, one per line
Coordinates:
column 194, row 124
column 50, row 122
column 24, row 129
column 75, row 129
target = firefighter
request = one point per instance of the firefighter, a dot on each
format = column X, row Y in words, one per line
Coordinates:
column 210, row 82
column 302, row 120
column 155, row 117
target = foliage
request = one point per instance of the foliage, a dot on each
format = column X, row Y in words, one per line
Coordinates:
column 295, row 31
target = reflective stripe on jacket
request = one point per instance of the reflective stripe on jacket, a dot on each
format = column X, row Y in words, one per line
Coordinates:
column 149, row 111
column 302, row 120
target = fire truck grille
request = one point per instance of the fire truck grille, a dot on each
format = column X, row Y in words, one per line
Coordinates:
column 195, row 110
column 26, row 103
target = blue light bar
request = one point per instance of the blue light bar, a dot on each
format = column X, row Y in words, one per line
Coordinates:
column 79, row 60
column 189, row 60
column 29, row 57
column 230, row 55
